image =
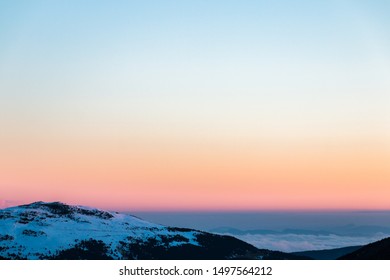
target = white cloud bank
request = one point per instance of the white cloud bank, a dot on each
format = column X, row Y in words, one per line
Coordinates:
column 303, row 242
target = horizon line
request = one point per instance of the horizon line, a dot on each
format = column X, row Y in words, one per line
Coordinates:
column 211, row 210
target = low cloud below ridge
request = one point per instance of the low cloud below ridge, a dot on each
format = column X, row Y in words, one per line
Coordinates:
column 304, row 242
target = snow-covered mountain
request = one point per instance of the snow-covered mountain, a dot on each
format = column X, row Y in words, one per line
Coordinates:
column 59, row 231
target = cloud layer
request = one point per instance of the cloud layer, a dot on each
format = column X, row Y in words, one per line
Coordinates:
column 301, row 242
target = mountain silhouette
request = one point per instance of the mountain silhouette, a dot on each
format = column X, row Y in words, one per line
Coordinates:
column 379, row 250
column 63, row 232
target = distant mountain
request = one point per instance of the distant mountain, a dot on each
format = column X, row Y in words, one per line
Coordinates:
column 379, row 250
column 58, row 231
column 360, row 230
column 347, row 230
column 236, row 231
column 330, row 254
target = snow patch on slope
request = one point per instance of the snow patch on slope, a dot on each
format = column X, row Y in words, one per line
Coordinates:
column 42, row 229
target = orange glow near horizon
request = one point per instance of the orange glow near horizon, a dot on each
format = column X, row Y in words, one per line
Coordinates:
column 183, row 174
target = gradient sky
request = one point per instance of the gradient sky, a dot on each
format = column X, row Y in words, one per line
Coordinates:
column 196, row 105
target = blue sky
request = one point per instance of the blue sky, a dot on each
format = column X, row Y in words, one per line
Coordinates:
column 196, row 84
column 269, row 52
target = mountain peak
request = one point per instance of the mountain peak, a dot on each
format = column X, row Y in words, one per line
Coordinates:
column 52, row 206
column 61, row 209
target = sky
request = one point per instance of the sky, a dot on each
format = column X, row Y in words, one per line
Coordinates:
column 196, row 105
column 348, row 223
column 286, row 231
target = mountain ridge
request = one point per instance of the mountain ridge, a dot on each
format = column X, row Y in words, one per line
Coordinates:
column 379, row 250
column 328, row 254
column 54, row 230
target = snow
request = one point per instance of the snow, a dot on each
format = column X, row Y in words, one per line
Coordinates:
column 56, row 232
